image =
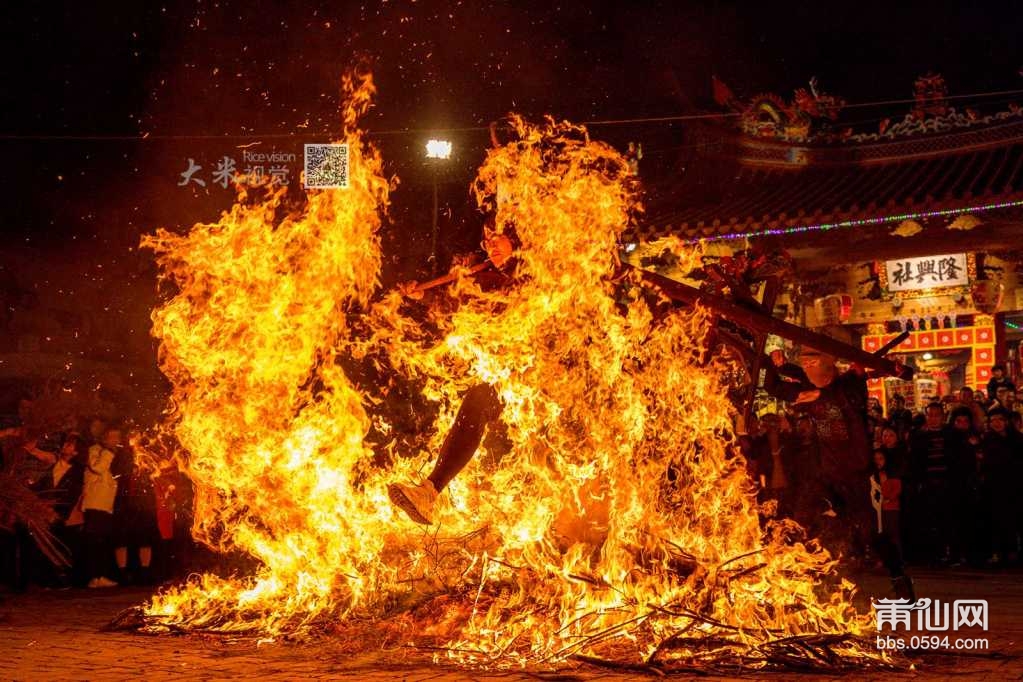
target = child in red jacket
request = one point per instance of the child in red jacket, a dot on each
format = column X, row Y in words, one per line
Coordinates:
column 885, row 491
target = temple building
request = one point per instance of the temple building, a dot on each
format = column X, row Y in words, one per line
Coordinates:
column 903, row 225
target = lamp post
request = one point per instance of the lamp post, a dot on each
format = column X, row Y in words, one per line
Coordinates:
column 438, row 150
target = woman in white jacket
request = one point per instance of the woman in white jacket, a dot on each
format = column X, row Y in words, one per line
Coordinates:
column 98, row 493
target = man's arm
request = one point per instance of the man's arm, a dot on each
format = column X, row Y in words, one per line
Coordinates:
column 100, row 464
column 32, row 448
column 778, row 387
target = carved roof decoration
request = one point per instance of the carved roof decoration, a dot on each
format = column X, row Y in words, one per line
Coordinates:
column 760, row 179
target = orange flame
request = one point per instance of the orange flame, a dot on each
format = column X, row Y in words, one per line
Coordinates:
column 616, row 516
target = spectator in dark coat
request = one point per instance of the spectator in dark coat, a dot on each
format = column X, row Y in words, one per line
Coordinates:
column 998, row 380
column 931, row 519
column 899, row 416
column 1003, row 463
column 135, row 523
column 962, row 446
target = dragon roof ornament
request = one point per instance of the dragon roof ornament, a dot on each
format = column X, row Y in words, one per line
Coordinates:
column 813, row 116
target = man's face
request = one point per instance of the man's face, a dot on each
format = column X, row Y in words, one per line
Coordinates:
column 68, row 451
column 1001, row 393
column 998, row 423
column 819, row 368
column 962, row 423
column 966, row 395
column 889, row 438
column 112, row 438
column 997, row 373
column 935, row 417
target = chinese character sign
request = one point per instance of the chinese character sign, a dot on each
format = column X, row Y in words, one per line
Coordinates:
column 929, row 272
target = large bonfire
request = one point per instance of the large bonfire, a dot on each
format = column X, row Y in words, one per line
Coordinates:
column 611, row 520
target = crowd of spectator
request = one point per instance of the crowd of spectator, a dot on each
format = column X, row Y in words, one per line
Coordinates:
column 943, row 482
column 115, row 508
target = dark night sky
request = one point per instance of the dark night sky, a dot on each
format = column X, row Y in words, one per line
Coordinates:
column 82, row 76
column 234, row 67
column 262, row 68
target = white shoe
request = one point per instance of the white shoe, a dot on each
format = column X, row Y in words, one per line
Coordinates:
column 102, row 582
column 415, row 500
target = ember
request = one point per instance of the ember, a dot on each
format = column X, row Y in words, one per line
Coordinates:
column 610, row 521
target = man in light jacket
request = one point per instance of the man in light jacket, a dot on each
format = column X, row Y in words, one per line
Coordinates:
column 99, row 491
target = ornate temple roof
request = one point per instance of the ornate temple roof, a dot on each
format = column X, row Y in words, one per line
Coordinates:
column 766, row 175
column 767, row 185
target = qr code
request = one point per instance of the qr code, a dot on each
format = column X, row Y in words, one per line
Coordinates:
column 326, row 166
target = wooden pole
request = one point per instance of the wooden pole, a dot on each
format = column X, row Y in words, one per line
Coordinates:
column 759, row 322
column 771, row 287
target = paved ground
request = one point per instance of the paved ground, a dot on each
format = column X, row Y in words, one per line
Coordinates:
column 51, row 635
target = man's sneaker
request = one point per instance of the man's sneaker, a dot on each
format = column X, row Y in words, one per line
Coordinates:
column 415, row 500
column 102, row 582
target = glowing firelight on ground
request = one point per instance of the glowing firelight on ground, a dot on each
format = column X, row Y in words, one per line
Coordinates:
column 609, row 515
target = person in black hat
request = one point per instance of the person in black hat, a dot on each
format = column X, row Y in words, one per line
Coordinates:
column 837, row 403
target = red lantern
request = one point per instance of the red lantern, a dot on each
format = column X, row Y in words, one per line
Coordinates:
column 987, row 295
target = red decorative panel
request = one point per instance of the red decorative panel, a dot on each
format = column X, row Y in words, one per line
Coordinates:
column 985, row 335
column 945, row 339
column 871, row 343
column 925, row 340
column 984, row 357
column 909, row 343
column 964, row 337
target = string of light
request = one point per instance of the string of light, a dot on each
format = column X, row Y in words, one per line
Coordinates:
column 465, row 129
column 857, row 222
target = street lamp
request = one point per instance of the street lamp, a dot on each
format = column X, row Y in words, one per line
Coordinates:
column 438, row 150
